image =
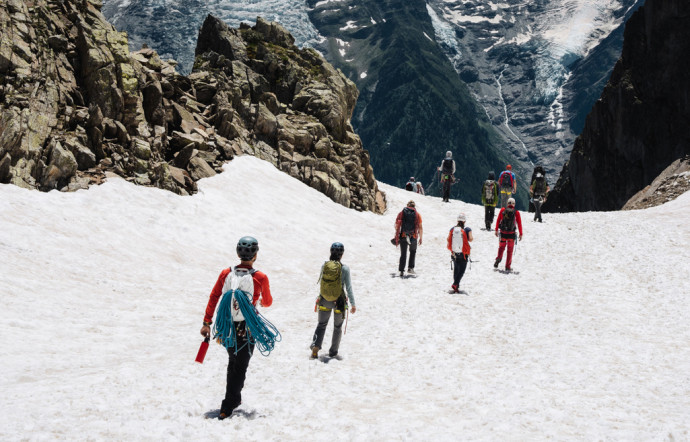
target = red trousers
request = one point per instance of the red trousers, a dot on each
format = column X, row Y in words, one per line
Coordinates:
column 502, row 247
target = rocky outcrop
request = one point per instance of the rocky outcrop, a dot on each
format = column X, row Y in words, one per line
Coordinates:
column 285, row 105
column 75, row 103
column 640, row 124
column 669, row 185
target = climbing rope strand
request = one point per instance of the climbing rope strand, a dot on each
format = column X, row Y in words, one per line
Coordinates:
column 260, row 331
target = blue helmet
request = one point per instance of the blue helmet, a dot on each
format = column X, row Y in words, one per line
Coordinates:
column 337, row 249
column 247, row 247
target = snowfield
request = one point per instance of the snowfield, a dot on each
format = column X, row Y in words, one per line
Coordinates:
column 103, row 294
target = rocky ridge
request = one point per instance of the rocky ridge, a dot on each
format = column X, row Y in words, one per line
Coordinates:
column 639, row 125
column 76, row 103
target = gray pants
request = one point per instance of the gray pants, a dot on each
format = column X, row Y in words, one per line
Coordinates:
column 325, row 308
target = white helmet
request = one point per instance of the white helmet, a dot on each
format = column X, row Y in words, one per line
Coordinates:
column 462, row 217
column 449, row 154
column 511, row 201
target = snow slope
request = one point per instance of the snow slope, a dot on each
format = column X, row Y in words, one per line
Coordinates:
column 104, row 291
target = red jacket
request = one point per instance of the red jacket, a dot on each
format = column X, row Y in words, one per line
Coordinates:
column 398, row 224
column 518, row 221
column 261, row 291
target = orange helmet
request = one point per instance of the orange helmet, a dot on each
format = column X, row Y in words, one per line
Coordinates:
column 509, row 167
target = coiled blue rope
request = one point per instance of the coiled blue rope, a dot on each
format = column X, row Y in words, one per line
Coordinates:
column 260, row 331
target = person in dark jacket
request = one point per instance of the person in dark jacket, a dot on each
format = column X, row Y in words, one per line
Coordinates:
column 447, row 169
column 408, row 232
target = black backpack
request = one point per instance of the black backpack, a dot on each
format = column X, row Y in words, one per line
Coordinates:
column 447, row 166
column 409, row 220
column 409, row 186
column 539, row 188
column 508, row 221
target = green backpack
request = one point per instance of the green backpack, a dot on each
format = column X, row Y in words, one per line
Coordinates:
column 331, row 281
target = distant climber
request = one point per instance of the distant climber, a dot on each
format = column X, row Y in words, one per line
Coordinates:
column 459, row 239
column 507, row 184
column 538, row 190
column 508, row 219
column 411, row 185
column 489, row 199
column 408, row 233
column 447, row 170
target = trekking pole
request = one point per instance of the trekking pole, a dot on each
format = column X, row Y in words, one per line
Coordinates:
column 347, row 315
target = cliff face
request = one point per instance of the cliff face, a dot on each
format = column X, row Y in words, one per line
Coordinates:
column 76, row 104
column 640, row 124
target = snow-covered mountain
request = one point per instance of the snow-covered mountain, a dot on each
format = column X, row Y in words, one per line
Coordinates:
column 171, row 26
column 104, row 290
column 534, row 68
column 520, row 60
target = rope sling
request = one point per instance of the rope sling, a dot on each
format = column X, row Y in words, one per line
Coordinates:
column 260, row 331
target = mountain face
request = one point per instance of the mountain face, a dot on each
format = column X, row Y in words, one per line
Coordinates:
column 495, row 83
column 76, row 104
column 640, row 124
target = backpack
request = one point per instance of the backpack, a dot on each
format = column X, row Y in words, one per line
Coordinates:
column 331, row 280
column 489, row 191
column 409, row 186
column 508, row 221
column 506, row 179
column 459, row 231
column 447, row 166
column 539, row 186
column 409, row 221
column 239, row 282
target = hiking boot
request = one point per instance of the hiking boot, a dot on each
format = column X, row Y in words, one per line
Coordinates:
column 508, row 269
column 314, row 352
column 402, row 273
column 411, row 271
column 224, row 415
column 498, row 260
column 332, row 354
column 455, row 288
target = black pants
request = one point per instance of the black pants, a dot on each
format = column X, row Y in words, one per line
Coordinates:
column 403, row 252
column 237, row 370
column 538, row 201
column 489, row 212
column 446, row 189
column 459, row 267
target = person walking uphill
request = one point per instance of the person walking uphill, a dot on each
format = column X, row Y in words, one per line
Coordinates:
column 489, row 199
column 508, row 218
column 538, row 190
column 335, row 281
column 408, row 232
column 254, row 283
column 447, row 170
column 459, row 239
column 506, row 180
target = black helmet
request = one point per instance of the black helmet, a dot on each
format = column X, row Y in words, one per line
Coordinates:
column 492, row 175
column 337, row 249
column 247, row 248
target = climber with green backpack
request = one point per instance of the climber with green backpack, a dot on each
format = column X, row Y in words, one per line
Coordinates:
column 334, row 282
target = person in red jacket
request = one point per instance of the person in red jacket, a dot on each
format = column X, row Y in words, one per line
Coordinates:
column 508, row 218
column 408, row 231
column 459, row 239
column 239, row 355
